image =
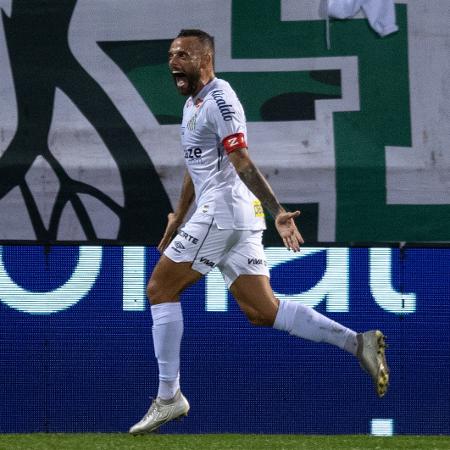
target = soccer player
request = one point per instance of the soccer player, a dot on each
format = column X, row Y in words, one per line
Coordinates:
column 226, row 231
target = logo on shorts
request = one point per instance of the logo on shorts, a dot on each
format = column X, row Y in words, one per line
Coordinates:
column 257, row 262
column 179, row 245
column 207, row 262
column 188, row 237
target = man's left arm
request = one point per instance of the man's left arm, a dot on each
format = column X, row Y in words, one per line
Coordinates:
column 258, row 185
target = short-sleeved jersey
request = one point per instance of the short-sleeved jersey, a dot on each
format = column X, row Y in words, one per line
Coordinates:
column 213, row 117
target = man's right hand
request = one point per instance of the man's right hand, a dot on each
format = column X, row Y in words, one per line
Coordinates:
column 172, row 225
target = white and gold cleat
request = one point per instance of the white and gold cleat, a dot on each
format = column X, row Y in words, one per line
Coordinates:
column 161, row 412
column 371, row 355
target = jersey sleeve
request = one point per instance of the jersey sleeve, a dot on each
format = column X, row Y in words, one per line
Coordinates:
column 227, row 118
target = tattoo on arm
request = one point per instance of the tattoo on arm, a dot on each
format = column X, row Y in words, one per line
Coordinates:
column 255, row 181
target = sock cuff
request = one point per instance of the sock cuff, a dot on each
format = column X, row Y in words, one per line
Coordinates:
column 278, row 323
column 166, row 313
column 285, row 315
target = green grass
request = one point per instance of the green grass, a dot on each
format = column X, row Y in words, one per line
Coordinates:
column 119, row 441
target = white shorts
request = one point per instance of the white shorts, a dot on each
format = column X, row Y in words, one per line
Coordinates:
column 234, row 252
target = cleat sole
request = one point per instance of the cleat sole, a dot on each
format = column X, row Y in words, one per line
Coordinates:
column 383, row 376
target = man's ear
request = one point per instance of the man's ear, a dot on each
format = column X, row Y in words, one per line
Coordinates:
column 208, row 59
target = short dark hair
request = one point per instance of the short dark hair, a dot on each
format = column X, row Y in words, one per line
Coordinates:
column 206, row 39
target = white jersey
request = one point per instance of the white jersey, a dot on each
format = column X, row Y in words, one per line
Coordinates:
column 214, row 125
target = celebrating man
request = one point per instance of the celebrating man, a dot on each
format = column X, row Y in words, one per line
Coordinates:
column 226, row 231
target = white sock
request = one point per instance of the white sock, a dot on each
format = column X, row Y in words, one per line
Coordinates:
column 167, row 332
column 303, row 321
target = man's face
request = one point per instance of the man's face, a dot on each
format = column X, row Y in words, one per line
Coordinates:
column 185, row 63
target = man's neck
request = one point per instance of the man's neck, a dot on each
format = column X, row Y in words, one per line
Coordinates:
column 206, row 79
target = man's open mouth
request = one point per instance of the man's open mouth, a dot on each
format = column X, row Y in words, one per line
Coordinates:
column 180, row 78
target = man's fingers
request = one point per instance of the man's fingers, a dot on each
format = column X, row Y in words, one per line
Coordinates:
column 295, row 245
column 291, row 243
column 286, row 216
column 290, row 215
column 294, row 240
column 164, row 242
column 299, row 237
column 162, row 246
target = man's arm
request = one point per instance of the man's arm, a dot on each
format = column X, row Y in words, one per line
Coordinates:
column 175, row 219
column 258, row 185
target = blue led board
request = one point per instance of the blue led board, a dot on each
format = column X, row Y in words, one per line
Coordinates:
column 76, row 348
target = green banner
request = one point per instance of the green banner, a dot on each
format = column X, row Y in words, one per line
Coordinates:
column 354, row 135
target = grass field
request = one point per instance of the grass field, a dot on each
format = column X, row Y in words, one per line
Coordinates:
column 98, row 441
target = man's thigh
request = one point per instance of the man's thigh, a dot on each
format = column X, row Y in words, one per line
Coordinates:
column 193, row 252
column 169, row 279
column 246, row 274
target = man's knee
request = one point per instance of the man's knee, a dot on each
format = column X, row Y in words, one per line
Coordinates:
column 168, row 281
column 260, row 318
column 152, row 289
column 156, row 293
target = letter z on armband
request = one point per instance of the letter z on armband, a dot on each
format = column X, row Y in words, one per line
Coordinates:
column 234, row 142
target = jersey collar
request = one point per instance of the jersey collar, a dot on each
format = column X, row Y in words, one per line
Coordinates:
column 204, row 91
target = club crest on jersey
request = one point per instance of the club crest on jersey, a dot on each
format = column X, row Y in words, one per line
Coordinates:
column 192, row 123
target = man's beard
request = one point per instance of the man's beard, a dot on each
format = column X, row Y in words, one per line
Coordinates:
column 191, row 83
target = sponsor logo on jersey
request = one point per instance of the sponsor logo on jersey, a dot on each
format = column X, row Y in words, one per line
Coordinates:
column 225, row 109
column 256, row 262
column 188, row 237
column 193, row 155
column 207, row 262
column 257, row 207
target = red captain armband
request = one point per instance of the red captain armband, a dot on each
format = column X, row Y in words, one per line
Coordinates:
column 234, row 142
